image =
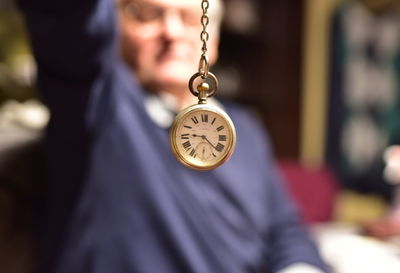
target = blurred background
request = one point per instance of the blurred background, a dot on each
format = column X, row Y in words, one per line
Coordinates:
column 322, row 75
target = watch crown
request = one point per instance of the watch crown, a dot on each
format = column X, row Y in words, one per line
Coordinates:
column 203, row 89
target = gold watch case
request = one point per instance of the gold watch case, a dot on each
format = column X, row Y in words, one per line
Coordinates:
column 202, row 137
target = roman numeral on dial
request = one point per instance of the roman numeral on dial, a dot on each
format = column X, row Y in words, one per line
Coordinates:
column 186, row 145
column 195, row 120
column 185, row 136
column 219, row 147
column 220, row 128
column 204, row 117
column 222, row 137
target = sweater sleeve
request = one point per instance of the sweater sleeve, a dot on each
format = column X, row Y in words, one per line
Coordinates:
column 289, row 241
column 72, row 40
column 74, row 44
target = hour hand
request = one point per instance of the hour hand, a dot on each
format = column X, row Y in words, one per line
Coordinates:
column 204, row 137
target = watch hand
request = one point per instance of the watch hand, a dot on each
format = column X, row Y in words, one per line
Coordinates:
column 205, row 138
column 202, row 136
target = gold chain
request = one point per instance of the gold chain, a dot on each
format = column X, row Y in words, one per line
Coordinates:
column 209, row 85
column 204, row 36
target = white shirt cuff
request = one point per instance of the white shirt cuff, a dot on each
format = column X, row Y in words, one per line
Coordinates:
column 300, row 268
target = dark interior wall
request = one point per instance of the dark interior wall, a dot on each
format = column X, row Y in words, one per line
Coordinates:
column 269, row 61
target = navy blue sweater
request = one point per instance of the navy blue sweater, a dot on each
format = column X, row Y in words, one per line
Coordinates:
column 118, row 200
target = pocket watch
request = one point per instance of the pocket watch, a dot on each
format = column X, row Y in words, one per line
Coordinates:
column 202, row 136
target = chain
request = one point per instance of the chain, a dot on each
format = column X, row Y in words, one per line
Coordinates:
column 204, row 36
column 209, row 84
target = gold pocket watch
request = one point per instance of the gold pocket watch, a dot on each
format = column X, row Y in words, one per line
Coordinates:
column 202, row 136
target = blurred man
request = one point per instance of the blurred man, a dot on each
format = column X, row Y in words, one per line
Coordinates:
column 160, row 42
column 118, row 199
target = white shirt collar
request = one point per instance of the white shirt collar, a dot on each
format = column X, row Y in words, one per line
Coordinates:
column 163, row 107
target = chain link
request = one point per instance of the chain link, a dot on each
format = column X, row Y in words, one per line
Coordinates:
column 204, row 36
column 208, row 83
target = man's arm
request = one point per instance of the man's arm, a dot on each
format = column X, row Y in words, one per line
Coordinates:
column 72, row 40
column 74, row 45
column 292, row 249
column 288, row 247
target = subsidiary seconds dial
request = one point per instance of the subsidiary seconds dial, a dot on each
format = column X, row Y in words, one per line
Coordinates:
column 202, row 137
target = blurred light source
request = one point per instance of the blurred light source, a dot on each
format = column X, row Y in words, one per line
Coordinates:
column 391, row 157
column 241, row 17
column 23, row 68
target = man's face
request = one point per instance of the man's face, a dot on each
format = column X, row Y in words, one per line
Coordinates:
column 161, row 40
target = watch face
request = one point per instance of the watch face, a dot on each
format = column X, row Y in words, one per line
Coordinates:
column 202, row 137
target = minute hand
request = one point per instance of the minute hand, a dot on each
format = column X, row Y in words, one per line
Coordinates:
column 205, row 138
